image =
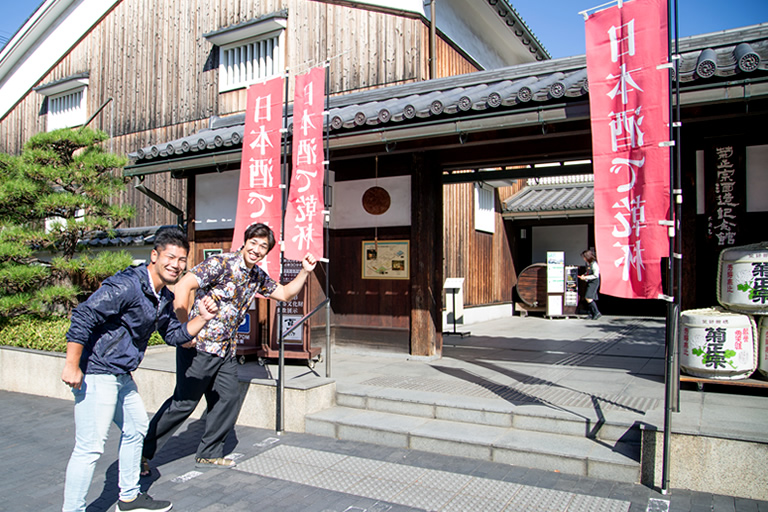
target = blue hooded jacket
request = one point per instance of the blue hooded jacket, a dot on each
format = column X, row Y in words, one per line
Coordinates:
column 115, row 323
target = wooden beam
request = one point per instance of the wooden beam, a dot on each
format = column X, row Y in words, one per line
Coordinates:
column 426, row 256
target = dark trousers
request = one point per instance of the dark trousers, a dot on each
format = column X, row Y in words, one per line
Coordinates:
column 593, row 311
column 198, row 374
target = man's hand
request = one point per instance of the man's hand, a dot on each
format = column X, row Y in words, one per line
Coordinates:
column 309, row 262
column 72, row 376
column 288, row 291
column 208, row 308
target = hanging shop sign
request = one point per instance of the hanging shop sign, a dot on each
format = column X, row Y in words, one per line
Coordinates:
column 629, row 110
column 725, row 179
column 259, row 195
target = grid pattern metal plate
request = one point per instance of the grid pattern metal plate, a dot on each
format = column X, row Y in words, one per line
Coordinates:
column 416, row 487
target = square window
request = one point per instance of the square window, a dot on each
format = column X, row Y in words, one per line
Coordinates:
column 244, row 63
column 66, row 101
column 67, row 109
column 250, row 51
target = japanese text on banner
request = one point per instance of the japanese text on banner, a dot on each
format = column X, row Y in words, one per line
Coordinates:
column 259, row 197
column 629, row 107
column 304, row 215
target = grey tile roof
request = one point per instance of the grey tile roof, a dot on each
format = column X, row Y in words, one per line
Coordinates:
column 122, row 237
column 560, row 197
column 709, row 58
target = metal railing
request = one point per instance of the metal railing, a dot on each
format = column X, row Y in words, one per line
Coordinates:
column 280, row 411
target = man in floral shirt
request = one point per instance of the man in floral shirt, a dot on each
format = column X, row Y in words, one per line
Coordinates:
column 209, row 367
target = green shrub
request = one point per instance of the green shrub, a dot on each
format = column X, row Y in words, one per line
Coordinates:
column 42, row 333
column 105, row 264
column 59, row 191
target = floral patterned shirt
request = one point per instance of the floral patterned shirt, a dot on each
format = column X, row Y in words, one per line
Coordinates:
column 233, row 286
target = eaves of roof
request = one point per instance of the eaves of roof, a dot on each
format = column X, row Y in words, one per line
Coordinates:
column 707, row 60
column 521, row 30
column 551, row 200
column 76, row 76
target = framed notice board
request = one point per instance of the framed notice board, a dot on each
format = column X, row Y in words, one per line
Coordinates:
column 386, row 260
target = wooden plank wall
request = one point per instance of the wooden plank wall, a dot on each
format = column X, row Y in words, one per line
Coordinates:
column 449, row 61
column 372, row 303
column 318, row 32
column 484, row 260
column 150, row 58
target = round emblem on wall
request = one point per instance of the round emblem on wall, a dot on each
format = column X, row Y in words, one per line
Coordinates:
column 376, row 201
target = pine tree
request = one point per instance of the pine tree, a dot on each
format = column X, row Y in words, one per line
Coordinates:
column 60, row 190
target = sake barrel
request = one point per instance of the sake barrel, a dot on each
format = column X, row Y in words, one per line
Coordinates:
column 743, row 279
column 762, row 346
column 532, row 285
column 717, row 344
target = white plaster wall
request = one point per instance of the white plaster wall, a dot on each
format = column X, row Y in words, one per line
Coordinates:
column 348, row 212
column 44, row 39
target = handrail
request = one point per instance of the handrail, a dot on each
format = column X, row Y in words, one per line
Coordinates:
column 306, row 317
column 279, row 410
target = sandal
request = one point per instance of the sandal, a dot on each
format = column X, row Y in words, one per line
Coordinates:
column 218, row 462
column 145, row 469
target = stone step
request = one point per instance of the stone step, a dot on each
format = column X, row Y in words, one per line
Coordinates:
column 619, row 461
column 597, row 423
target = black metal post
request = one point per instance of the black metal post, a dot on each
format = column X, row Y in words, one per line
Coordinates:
column 284, row 180
column 327, row 220
column 672, row 372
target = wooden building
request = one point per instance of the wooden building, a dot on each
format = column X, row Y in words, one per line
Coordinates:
column 165, row 78
column 154, row 73
column 491, row 128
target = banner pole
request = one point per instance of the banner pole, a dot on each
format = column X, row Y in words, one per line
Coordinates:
column 677, row 192
column 672, row 376
column 284, row 186
column 327, row 204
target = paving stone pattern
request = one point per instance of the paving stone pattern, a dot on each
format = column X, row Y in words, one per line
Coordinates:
column 304, row 473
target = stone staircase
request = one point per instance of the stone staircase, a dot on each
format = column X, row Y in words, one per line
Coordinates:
column 549, row 429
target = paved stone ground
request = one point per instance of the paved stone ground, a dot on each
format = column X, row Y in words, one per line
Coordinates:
column 274, row 473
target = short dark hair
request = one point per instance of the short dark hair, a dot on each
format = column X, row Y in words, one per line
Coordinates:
column 170, row 236
column 261, row 231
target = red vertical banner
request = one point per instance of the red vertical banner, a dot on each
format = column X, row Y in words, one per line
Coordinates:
column 259, row 197
column 304, row 214
column 629, row 110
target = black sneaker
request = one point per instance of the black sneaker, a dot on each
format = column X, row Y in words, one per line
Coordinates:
column 144, row 503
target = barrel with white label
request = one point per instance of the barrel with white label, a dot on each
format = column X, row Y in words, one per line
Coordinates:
column 743, row 279
column 762, row 346
column 717, row 344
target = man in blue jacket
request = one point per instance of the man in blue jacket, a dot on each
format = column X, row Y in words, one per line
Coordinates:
column 105, row 343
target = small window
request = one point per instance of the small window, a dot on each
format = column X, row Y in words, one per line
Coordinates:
column 66, row 110
column 485, row 210
column 250, row 51
column 243, row 64
column 67, row 103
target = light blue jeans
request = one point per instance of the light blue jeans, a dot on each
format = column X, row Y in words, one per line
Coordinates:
column 101, row 400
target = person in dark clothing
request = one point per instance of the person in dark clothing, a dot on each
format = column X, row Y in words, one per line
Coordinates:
column 106, row 341
column 592, row 278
